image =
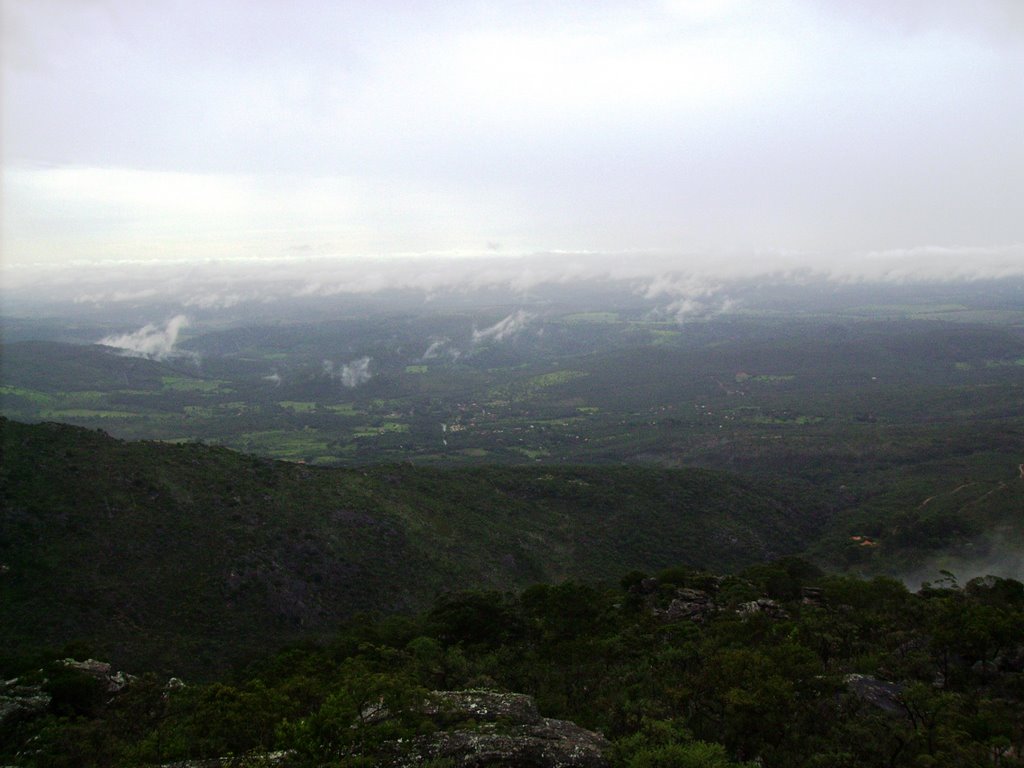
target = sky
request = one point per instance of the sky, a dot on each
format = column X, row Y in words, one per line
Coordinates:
column 763, row 133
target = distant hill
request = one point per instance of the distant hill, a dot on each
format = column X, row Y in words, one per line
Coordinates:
column 189, row 557
column 52, row 366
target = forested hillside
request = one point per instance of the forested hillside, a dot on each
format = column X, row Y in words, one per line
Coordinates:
column 188, row 557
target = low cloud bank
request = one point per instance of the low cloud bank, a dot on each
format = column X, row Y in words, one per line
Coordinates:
column 699, row 282
column 149, row 341
column 351, row 374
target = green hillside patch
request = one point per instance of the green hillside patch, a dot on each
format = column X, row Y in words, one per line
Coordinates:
column 87, row 413
column 554, row 378
column 534, row 453
column 1003, row 363
column 799, row 419
column 344, row 409
column 298, row 406
column 907, row 310
column 183, row 384
column 532, row 387
column 294, row 445
column 33, row 396
column 380, row 429
column 591, row 317
column 661, row 336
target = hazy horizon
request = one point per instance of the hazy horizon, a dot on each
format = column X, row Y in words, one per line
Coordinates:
column 693, row 137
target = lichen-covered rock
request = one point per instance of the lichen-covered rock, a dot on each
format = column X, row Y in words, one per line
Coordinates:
column 763, row 605
column 483, row 706
column 254, row 760
column 19, row 700
column 100, row 670
column 693, row 604
column 485, row 728
column 812, row 596
column 878, row 693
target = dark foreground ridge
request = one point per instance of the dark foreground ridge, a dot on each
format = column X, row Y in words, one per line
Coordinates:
column 187, row 557
column 780, row 666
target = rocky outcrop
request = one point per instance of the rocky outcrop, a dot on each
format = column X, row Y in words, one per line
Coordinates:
column 763, row 605
column 814, row 596
column 281, row 759
column 485, row 728
column 881, row 694
column 21, row 700
column 114, row 681
column 475, row 729
column 693, row 604
column 482, row 706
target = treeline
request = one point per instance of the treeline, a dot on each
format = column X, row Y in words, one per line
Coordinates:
column 777, row 666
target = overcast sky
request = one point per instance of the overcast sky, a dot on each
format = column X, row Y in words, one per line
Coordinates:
column 763, row 130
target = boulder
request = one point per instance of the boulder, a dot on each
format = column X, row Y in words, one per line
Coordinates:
column 100, row 670
column 883, row 695
column 763, row 605
column 691, row 604
column 486, row 728
column 482, row 706
column 21, row 700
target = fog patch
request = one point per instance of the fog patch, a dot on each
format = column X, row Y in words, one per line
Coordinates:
column 115, row 296
column 351, row 374
column 692, row 281
column 504, row 329
column 441, row 348
column 213, row 300
column 685, row 309
column 998, row 555
column 929, row 263
column 149, row 341
column 692, row 297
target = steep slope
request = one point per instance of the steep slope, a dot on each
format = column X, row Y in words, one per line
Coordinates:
column 190, row 556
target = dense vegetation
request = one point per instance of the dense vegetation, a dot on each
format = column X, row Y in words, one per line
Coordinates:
column 188, row 556
column 438, row 462
column 907, row 426
column 822, row 399
column 780, row 665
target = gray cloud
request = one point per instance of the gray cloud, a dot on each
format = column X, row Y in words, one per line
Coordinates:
column 671, row 127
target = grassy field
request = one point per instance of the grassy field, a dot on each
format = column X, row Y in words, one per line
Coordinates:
column 181, row 384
